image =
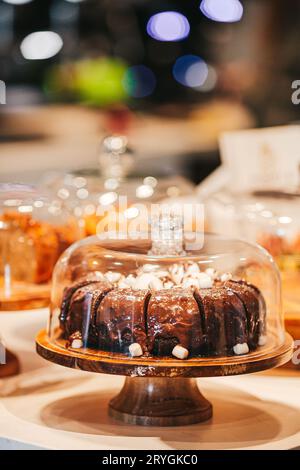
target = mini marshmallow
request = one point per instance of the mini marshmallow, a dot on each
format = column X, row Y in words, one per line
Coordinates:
column 130, row 280
column 177, row 273
column 262, row 340
column 135, row 350
column 168, row 285
column 204, row 281
column 211, row 272
column 240, row 349
column 226, row 277
column 143, row 281
column 77, row 343
column 156, row 284
column 123, row 284
column 148, row 268
column 112, row 277
column 161, row 274
column 99, row 275
column 180, row 352
column 193, row 269
column 190, row 282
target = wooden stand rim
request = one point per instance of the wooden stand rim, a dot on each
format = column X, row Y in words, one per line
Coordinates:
column 156, row 367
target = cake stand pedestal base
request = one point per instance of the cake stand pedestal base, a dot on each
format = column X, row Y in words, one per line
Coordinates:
column 156, row 401
column 12, row 366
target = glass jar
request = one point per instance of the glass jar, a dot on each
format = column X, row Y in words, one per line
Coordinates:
column 34, row 231
column 272, row 219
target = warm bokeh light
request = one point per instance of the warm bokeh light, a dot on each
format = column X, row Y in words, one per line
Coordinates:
column 227, row 11
column 211, row 80
column 41, row 45
column 168, row 26
column 144, row 191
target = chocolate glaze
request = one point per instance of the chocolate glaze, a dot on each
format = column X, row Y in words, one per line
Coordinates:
column 206, row 322
column 82, row 310
column 120, row 320
column 250, row 299
column 224, row 317
column 262, row 306
column 173, row 318
column 67, row 295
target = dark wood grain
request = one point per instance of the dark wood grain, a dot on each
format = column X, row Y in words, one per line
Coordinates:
column 155, row 401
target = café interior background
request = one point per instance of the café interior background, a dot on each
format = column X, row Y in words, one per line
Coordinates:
column 171, row 75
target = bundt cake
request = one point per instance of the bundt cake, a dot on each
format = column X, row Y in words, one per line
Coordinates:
column 179, row 311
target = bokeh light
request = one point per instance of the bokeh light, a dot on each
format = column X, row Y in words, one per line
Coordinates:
column 139, row 81
column 211, row 80
column 108, row 198
column 97, row 81
column 17, row 2
column 190, row 70
column 168, row 26
column 144, row 191
column 226, row 11
column 41, row 45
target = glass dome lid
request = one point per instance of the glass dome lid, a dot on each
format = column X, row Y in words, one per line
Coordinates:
column 34, row 231
column 165, row 296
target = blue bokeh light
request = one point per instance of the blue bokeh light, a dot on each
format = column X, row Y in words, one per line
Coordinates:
column 190, row 70
column 139, row 81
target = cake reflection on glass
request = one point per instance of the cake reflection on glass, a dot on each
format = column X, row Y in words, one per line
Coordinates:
column 180, row 311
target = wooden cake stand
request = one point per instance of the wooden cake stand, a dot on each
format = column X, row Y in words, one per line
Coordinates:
column 162, row 392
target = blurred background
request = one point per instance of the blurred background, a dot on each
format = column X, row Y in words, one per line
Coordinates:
column 171, row 75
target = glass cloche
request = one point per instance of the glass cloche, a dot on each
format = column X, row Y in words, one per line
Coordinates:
column 272, row 219
column 113, row 188
column 34, row 231
column 167, row 295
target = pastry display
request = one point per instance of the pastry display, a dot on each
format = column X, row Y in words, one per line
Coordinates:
column 33, row 234
column 180, row 311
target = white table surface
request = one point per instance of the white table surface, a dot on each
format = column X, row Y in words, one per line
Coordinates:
column 51, row 407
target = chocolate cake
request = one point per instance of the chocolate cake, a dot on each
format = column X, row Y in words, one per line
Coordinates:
column 173, row 318
column 82, row 310
column 120, row 320
column 193, row 318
